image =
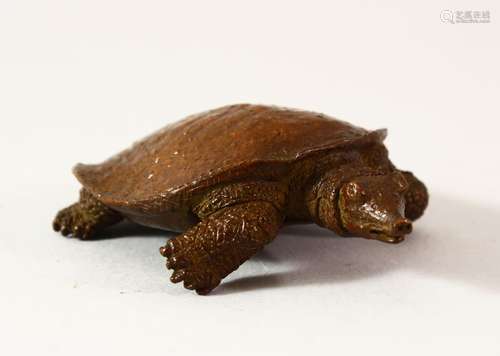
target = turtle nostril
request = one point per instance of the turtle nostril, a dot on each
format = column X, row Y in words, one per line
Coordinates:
column 403, row 227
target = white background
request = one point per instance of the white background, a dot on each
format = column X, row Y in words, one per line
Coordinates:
column 80, row 80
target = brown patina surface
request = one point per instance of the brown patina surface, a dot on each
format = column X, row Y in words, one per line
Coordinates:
column 231, row 176
column 213, row 146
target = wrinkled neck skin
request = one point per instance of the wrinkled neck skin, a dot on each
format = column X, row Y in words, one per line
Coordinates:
column 322, row 195
column 322, row 203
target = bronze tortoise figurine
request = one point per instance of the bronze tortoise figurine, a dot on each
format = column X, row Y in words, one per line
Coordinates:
column 230, row 177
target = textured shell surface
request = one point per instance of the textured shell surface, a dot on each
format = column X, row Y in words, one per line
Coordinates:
column 202, row 148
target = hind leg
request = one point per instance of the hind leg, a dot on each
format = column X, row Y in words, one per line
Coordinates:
column 85, row 218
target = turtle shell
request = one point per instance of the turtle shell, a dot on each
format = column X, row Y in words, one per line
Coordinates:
column 213, row 147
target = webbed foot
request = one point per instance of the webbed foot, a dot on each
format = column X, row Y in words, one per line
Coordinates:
column 85, row 218
column 219, row 244
column 190, row 264
column 73, row 221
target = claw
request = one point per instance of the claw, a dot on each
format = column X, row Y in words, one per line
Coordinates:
column 171, row 262
column 164, row 251
column 177, row 276
column 64, row 230
column 188, row 285
column 176, row 262
column 168, row 249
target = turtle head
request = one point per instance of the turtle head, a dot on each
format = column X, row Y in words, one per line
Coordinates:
column 373, row 207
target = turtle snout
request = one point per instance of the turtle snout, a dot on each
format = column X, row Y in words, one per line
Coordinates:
column 401, row 227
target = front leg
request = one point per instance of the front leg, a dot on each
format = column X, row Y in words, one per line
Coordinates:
column 237, row 220
column 220, row 243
